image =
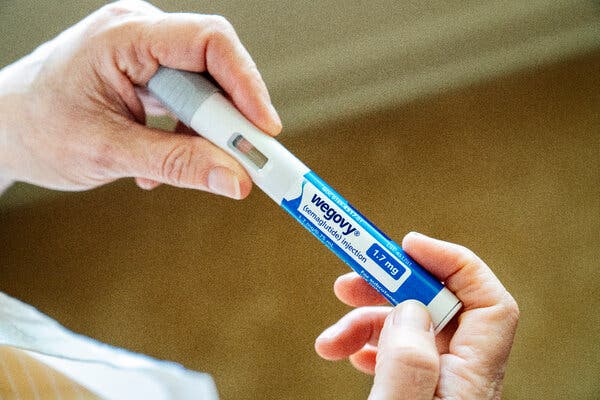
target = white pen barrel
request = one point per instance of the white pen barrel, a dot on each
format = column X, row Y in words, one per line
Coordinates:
column 199, row 104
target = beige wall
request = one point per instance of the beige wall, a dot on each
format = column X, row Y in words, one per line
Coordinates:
column 509, row 168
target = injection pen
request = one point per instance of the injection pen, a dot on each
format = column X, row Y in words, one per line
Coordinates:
column 198, row 103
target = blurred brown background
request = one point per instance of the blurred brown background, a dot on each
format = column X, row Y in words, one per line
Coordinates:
column 494, row 145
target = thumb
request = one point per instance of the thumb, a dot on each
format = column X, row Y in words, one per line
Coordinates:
column 182, row 161
column 407, row 364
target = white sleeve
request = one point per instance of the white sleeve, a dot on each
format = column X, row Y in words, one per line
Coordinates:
column 4, row 184
column 107, row 371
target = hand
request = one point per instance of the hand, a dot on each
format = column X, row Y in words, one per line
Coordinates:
column 72, row 113
column 465, row 361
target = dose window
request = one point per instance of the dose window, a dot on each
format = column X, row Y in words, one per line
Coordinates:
column 247, row 149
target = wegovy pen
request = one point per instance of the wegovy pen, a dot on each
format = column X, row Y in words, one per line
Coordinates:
column 198, row 103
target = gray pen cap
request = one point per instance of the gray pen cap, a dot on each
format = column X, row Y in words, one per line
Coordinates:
column 181, row 91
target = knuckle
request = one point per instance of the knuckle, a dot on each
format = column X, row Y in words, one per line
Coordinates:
column 467, row 255
column 122, row 7
column 176, row 164
column 117, row 8
column 117, row 20
column 248, row 80
column 467, row 259
column 221, row 27
column 221, row 23
column 124, row 13
column 510, row 308
column 251, row 73
column 250, row 69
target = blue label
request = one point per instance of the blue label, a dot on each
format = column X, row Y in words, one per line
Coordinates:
column 384, row 260
column 358, row 242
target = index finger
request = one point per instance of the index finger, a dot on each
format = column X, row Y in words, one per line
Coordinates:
column 139, row 37
column 488, row 323
column 463, row 272
column 209, row 43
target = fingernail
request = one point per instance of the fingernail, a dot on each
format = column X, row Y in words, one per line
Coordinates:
column 223, row 181
column 330, row 332
column 412, row 314
column 274, row 115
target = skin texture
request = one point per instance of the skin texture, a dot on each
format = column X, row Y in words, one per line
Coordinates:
column 74, row 110
column 466, row 360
